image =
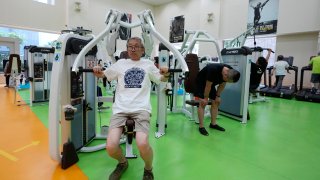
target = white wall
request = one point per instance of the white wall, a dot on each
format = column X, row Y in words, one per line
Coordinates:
column 195, row 13
column 296, row 16
column 31, row 15
column 234, row 15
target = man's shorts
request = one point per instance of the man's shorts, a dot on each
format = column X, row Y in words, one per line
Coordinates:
column 315, row 78
column 141, row 120
column 200, row 92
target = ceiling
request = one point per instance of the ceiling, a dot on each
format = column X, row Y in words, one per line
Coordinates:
column 156, row 2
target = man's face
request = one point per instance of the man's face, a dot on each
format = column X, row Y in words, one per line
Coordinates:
column 135, row 49
column 225, row 76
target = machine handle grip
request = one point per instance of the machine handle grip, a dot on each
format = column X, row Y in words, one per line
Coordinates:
column 81, row 70
column 267, row 49
column 174, row 70
column 91, row 70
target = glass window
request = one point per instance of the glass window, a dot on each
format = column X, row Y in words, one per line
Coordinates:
column 264, row 42
column 4, row 56
column 51, row 2
column 26, row 38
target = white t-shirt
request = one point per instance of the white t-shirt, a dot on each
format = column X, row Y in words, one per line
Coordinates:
column 134, row 84
column 280, row 67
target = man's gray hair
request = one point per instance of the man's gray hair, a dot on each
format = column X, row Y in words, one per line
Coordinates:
column 136, row 39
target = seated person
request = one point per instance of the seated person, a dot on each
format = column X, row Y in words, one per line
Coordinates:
column 280, row 68
column 257, row 70
column 132, row 100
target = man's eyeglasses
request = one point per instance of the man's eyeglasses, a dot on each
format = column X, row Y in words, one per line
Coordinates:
column 133, row 47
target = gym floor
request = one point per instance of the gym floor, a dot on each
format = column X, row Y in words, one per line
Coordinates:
column 281, row 141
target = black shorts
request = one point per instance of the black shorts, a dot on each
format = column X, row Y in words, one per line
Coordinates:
column 200, row 92
column 315, row 78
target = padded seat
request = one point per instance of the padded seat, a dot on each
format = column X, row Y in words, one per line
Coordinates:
column 129, row 130
column 130, row 134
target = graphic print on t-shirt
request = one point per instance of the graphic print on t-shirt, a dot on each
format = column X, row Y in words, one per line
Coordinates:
column 259, row 71
column 134, row 77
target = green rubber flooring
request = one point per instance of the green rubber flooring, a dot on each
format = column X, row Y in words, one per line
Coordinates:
column 281, row 141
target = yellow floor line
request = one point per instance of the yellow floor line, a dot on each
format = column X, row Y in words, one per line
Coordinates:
column 8, row 156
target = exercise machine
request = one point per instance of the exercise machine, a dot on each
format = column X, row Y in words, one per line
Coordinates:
column 148, row 31
column 14, row 68
column 190, row 40
column 164, row 90
column 306, row 94
column 39, row 69
column 72, row 100
column 235, row 95
column 286, row 92
column 60, row 97
column 238, row 41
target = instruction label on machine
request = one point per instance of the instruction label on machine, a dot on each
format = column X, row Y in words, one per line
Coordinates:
column 57, row 54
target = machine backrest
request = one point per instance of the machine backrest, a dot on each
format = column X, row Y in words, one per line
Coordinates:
column 193, row 65
column 124, row 55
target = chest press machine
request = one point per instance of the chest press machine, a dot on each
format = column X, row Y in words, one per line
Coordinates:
column 60, row 107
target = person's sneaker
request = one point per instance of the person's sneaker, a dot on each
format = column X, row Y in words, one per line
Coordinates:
column 203, row 131
column 217, row 127
column 147, row 175
column 120, row 169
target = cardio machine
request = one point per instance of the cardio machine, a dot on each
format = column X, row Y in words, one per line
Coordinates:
column 306, row 94
column 286, row 92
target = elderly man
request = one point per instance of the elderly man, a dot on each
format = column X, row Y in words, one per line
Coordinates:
column 132, row 100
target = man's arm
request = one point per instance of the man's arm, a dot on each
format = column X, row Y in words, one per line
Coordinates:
column 98, row 72
column 264, row 3
column 273, row 69
column 287, row 68
column 220, row 88
column 165, row 74
column 311, row 62
column 268, row 55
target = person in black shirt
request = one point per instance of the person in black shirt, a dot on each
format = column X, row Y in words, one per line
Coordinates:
column 207, row 79
column 257, row 70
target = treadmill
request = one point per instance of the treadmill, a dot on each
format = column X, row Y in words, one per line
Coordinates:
column 304, row 94
column 286, row 92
